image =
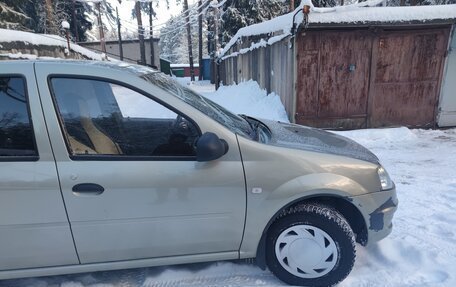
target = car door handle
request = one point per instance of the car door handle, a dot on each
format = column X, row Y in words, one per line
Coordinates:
column 88, row 189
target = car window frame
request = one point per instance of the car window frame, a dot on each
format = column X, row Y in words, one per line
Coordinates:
column 107, row 157
column 26, row 158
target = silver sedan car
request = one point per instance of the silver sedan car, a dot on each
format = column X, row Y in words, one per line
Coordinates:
column 113, row 166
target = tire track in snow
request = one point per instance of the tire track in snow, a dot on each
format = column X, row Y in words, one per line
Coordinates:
column 227, row 280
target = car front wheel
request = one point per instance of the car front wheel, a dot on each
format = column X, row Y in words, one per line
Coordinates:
column 310, row 245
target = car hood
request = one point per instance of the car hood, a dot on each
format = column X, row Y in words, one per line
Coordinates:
column 316, row 140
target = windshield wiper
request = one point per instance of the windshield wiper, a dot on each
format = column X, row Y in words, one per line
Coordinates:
column 253, row 126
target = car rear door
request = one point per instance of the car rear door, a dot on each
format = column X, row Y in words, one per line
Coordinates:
column 130, row 180
column 34, row 229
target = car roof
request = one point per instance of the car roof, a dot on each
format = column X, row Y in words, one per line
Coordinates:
column 115, row 64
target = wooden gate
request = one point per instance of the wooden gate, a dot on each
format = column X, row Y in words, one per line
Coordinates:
column 333, row 78
column 406, row 76
column 355, row 79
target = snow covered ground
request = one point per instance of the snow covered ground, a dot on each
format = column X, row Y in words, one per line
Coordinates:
column 421, row 251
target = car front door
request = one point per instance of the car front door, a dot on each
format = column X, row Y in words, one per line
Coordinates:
column 128, row 172
column 34, row 228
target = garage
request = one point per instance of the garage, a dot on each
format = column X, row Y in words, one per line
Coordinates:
column 357, row 78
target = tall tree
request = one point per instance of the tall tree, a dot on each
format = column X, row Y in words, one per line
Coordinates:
column 240, row 13
column 35, row 16
column 151, row 35
column 171, row 47
column 173, row 38
column 100, row 27
column 142, row 47
column 146, row 6
column 189, row 40
column 12, row 17
column 51, row 27
column 200, row 39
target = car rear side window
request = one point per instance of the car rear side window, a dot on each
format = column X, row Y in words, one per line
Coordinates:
column 16, row 132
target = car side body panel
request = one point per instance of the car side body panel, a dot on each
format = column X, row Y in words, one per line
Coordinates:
column 33, row 223
column 149, row 208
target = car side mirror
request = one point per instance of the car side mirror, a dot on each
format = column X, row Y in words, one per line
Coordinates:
column 210, row 147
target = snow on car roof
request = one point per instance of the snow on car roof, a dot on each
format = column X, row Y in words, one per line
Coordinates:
column 359, row 13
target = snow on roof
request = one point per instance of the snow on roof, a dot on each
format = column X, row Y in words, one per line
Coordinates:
column 364, row 12
column 19, row 56
column 386, row 14
column 183, row 65
column 47, row 40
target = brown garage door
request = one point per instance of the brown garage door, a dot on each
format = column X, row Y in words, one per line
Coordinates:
column 406, row 77
column 333, row 71
column 356, row 79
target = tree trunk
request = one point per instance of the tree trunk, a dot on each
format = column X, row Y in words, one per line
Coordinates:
column 189, row 40
column 119, row 34
column 75, row 21
column 200, row 39
column 51, row 23
column 210, row 44
column 216, row 47
column 101, row 29
column 142, row 47
column 151, row 36
column 292, row 5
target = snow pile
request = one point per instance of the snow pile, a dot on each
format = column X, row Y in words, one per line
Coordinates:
column 363, row 12
column 249, row 99
column 377, row 138
column 7, row 36
column 65, row 25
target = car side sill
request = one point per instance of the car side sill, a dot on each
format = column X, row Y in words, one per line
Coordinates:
column 94, row 267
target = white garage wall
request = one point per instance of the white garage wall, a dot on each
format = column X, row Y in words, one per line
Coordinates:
column 447, row 107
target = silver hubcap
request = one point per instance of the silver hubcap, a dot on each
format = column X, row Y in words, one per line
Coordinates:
column 306, row 251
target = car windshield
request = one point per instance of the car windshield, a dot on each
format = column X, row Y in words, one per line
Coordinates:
column 231, row 121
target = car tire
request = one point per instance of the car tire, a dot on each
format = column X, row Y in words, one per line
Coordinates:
column 310, row 245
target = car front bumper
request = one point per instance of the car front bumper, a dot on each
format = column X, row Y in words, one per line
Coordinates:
column 378, row 209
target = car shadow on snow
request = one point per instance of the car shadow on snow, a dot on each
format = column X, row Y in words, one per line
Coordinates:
column 233, row 273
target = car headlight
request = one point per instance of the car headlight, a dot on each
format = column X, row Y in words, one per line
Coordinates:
column 385, row 179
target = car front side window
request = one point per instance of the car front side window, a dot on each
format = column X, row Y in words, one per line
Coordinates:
column 108, row 119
